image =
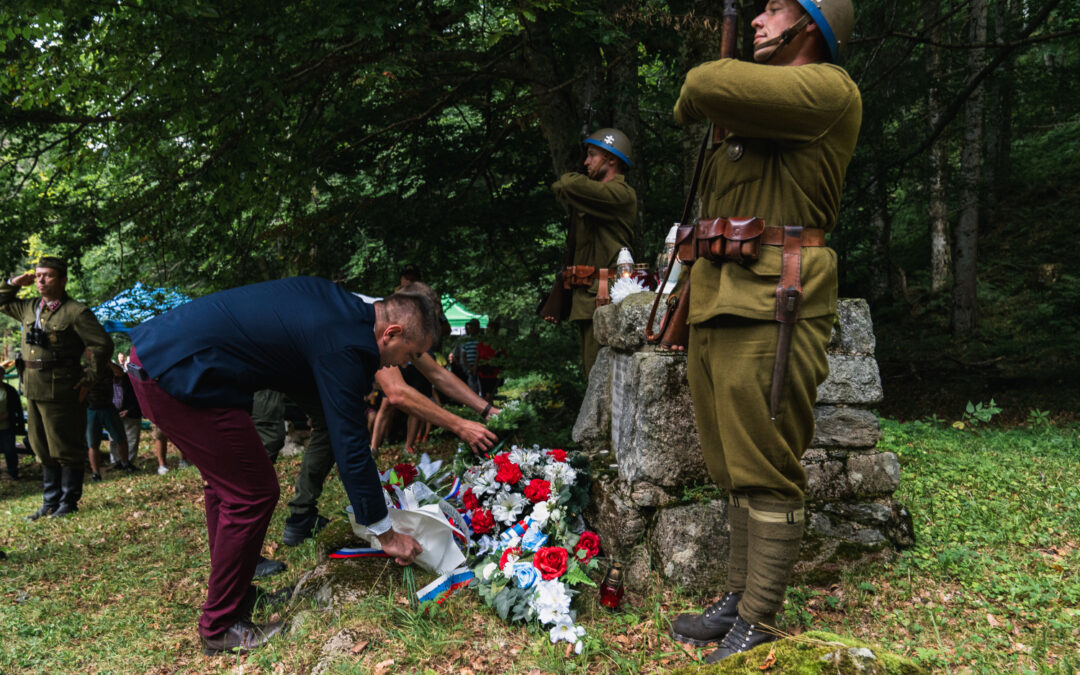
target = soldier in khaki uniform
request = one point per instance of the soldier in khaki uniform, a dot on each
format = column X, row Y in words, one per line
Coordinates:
column 56, row 332
column 788, row 125
column 603, row 208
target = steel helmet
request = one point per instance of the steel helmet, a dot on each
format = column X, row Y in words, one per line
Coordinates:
column 834, row 18
column 614, row 141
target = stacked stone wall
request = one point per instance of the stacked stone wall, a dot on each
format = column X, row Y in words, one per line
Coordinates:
column 653, row 503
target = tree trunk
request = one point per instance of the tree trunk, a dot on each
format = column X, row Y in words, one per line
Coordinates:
column 1000, row 95
column 939, row 212
column 965, row 245
column 881, row 227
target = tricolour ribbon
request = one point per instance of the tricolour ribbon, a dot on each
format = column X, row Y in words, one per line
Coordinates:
column 445, row 585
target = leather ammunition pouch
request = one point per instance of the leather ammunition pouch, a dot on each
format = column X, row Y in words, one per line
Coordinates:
column 578, row 276
column 735, row 240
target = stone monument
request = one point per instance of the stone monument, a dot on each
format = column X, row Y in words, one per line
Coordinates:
column 653, row 502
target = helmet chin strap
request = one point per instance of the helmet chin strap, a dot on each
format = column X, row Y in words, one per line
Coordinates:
column 785, row 38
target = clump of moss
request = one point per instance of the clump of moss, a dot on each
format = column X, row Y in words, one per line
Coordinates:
column 813, row 653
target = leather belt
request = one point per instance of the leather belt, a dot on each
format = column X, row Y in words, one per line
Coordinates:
column 583, row 275
column 37, row 364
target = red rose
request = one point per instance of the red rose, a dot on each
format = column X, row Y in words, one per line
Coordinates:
column 469, row 500
column 590, row 544
column 551, row 561
column 509, row 473
column 502, row 460
column 506, row 554
column 406, row 473
column 538, row 490
column 557, row 454
column 482, row 521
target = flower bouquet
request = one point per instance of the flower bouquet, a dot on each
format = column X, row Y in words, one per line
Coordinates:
column 523, row 508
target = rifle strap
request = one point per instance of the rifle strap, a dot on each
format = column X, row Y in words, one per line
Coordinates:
column 688, row 206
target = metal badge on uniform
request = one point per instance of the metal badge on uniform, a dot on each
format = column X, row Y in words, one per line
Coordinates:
column 734, row 150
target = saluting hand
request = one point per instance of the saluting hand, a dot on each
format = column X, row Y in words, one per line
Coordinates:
column 24, row 279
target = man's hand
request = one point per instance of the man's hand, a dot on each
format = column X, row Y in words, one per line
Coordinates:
column 401, row 547
column 25, row 279
column 478, row 436
column 492, row 413
column 84, row 390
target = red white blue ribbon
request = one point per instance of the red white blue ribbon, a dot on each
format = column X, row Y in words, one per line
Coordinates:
column 343, row 553
column 444, row 586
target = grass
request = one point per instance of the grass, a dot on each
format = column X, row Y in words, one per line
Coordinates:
column 991, row 586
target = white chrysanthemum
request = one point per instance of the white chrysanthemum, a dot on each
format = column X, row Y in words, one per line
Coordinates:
column 507, row 506
column 560, row 473
column 566, row 631
column 551, row 602
column 488, row 571
column 525, row 458
column 624, row 287
column 484, row 482
column 540, row 514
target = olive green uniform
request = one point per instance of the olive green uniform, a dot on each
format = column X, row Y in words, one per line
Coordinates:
column 603, row 222
column 790, row 134
column 56, row 418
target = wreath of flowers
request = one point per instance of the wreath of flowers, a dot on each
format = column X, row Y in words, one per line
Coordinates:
column 524, row 510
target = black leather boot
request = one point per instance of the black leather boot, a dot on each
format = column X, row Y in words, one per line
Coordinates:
column 50, row 492
column 71, row 482
column 710, row 626
column 741, row 638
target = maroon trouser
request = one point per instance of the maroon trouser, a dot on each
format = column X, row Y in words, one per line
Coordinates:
column 241, row 490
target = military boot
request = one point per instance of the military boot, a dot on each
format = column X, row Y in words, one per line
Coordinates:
column 710, row 626
column 51, row 491
column 742, row 637
column 71, row 482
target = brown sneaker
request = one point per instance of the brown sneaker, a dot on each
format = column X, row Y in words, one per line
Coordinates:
column 240, row 638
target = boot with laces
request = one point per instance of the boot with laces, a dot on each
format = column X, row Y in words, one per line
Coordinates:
column 742, row 637
column 710, row 626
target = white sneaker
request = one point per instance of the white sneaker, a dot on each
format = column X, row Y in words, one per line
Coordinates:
column 162, row 470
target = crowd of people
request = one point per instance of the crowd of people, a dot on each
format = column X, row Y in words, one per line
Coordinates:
column 782, row 131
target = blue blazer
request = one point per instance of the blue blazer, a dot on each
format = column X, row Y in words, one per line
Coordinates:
column 302, row 335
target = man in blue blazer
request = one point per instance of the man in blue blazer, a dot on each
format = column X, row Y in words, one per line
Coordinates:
column 195, row 370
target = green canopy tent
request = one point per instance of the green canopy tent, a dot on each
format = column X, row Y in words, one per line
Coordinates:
column 458, row 316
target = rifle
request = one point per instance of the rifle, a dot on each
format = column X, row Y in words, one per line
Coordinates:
column 558, row 301
column 674, row 332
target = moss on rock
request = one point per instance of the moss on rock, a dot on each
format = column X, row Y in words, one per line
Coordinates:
column 813, row 653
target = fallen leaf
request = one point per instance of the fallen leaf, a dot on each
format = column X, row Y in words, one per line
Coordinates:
column 359, row 646
column 769, row 660
column 992, row 621
column 383, row 667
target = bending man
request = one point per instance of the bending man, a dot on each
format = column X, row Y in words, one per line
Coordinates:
column 195, row 370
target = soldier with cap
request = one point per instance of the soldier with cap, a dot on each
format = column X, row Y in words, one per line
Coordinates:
column 602, row 211
column 760, row 320
column 56, row 332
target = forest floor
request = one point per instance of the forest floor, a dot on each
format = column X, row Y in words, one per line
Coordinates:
column 991, row 585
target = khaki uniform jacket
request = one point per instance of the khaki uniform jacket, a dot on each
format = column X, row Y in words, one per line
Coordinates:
column 603, row 224
column 71, row 329
column 791, row 132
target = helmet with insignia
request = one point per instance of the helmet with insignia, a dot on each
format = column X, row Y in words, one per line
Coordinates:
column 614, row 141
column 834, row 18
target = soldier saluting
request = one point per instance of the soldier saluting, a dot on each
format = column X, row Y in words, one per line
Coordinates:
column 602, row 208
column 56, row 332
column 764, row 297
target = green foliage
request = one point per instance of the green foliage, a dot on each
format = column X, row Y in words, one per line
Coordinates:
column 976, row 414
column 1038, row 419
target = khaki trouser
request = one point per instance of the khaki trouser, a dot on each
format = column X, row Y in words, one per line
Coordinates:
column 57, row 431
column 589, row 346
column 729, row 367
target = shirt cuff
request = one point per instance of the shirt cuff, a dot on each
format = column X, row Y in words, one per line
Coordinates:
column 380, row 526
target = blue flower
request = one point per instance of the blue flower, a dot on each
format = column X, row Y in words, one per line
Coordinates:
column 525, row 574
column 533, row 539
